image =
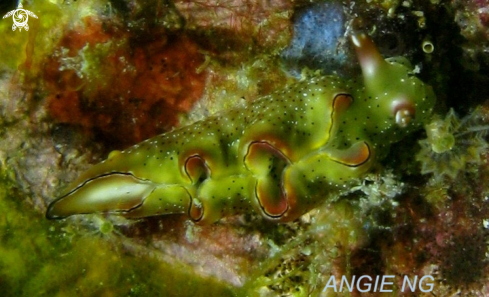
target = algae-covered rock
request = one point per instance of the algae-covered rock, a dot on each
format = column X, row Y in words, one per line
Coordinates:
column 92, row 76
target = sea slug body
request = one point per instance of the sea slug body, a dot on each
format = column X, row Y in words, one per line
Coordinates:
column 280, row 156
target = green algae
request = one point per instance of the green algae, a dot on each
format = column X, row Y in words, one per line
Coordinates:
column 27, row 47
column 53, row 259
column 317, row 246
column 45, row 258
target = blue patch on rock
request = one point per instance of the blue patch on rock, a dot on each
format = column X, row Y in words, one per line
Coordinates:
column 316, row 42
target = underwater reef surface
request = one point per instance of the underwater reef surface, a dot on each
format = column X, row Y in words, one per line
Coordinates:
column 92, row 76
column 318, row 28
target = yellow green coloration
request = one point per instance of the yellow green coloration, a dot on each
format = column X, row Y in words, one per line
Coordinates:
column 452, row 143
column 40, row 258
column 280, row 156
column 316, row 247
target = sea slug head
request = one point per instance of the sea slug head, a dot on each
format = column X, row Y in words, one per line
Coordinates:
column 402, row 102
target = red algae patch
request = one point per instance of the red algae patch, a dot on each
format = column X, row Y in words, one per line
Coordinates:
column 122, row 87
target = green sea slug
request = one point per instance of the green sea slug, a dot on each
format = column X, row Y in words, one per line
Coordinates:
column 280, row 156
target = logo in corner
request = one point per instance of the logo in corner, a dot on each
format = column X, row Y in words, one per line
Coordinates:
column 20, row 17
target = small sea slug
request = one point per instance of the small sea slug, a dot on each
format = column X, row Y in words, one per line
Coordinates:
column 280, row 156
